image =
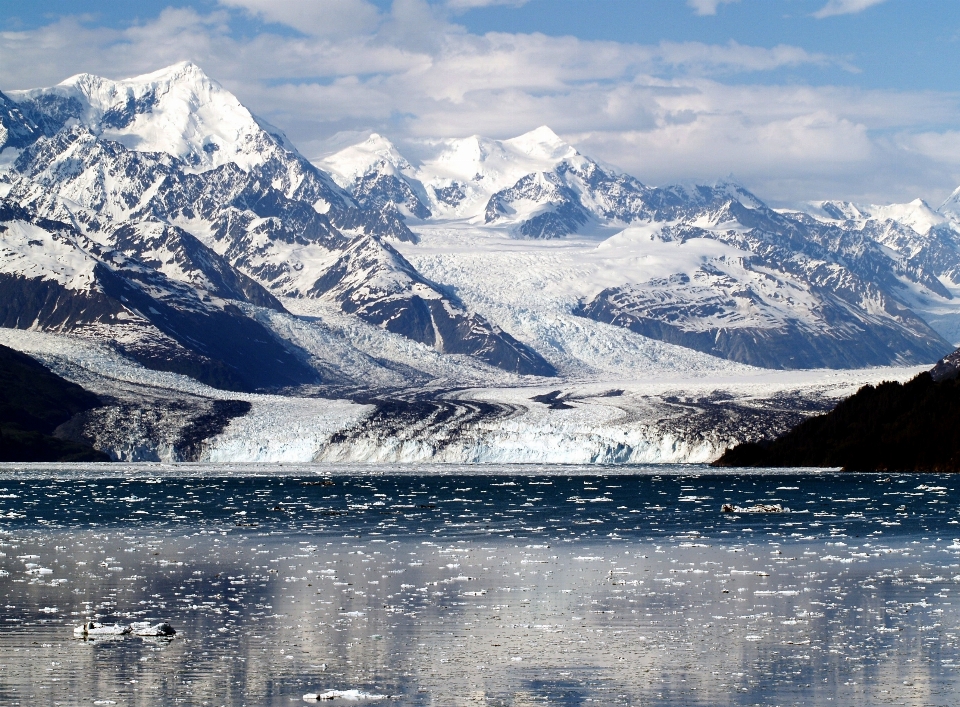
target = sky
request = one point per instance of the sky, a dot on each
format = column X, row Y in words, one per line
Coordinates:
column 798, row 100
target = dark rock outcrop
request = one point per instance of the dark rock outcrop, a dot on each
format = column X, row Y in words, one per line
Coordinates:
column 33, row 402
column 890, row 427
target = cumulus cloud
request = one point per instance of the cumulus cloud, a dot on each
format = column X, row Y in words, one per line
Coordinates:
column 663, row 112
column 844, row 7
column 322, row 18
column 707, row 7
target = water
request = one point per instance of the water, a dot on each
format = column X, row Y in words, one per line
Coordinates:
column 500, row 586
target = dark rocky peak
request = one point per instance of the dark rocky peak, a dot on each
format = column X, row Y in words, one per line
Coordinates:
column 557, row 209
column 947, row 368
column 675, row 202
column 382, row 185
column 16, row 129
column 183, row 257
column 50, row 111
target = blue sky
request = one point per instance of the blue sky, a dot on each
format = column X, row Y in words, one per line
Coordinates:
column 798, row 99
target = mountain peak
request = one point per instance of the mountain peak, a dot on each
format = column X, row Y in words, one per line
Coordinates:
column 354, row 161
column 177, row 109
column 182, row 71
column 543, row 144
column 380, row 145
column 951, row 207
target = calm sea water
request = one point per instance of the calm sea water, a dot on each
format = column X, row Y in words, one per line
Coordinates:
column 496, row 586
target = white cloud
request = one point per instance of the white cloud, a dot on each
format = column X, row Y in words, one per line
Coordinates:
column 707, row 7
column 734, row 57
column 844, row 7
column 662, row 112
column 471, row 4
column 322, row 18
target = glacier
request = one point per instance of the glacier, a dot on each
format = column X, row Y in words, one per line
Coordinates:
column 680, row 417
column 493, row 300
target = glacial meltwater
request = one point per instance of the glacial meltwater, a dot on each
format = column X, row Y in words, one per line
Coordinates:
column 487, row 585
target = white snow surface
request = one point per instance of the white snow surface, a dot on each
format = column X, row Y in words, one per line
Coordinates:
column 33, row 252
column 192, row 116
column 530, row 288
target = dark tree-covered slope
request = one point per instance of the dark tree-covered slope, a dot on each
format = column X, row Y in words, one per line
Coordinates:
column 913, row 426
column 33, row 402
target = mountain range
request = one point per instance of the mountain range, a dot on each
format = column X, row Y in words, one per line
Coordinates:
column 159, row 217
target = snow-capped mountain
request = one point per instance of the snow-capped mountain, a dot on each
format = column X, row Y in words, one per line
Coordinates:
column 181, row 113
column 156, row 222
column 790, row 291
column 178, row 111
column 378, row 175
column 268, row 215
column 536, row 184
column 923, row 243
column 54, row 278
column 169, row 172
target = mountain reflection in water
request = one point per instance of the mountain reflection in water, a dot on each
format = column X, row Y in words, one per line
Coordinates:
column 520, row 587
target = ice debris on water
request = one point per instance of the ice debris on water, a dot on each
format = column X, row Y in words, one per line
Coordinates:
column 138, row 628
column 756, row 508
column 94, row 628
column 145, row 628
column 349, row 695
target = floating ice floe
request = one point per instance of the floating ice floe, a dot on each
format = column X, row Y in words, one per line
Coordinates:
column 756, row 508
column 94, row 628
column 138, row 628
column 145, row 628
column 349, row 695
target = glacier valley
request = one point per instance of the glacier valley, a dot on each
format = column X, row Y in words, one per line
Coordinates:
column 503, row 301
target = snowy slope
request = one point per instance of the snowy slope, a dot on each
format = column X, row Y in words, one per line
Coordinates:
column 924, row 245
column 54, row 278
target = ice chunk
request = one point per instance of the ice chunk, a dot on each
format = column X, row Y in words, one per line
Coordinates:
column 756, row 508
column 93, row 628
column 145, row 628
column 348, row 695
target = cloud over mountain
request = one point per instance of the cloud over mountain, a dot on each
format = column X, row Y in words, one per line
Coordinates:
column 665, row 111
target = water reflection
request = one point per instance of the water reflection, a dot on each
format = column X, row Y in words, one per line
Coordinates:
column 487, row 590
